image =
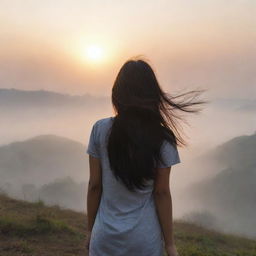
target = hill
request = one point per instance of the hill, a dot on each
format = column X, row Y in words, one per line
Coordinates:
column 28, row 113
column 39, row 230
column 52, row 168
column 238, row 152
column 15, row 98
column 41, row 159
column 230, row 194
column 236, row 104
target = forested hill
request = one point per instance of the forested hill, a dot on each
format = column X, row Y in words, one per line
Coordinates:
column 230, row 194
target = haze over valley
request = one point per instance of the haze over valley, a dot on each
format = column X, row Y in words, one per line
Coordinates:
column 45, row 134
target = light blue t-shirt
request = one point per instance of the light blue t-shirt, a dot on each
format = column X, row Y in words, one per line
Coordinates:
column 126, row 223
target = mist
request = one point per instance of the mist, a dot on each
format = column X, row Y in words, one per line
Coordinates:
column 37, row 125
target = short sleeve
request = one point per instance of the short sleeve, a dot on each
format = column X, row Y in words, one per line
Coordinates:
column 170, row 155
column 93, row 147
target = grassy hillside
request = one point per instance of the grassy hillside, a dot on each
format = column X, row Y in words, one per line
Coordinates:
column 35, row 229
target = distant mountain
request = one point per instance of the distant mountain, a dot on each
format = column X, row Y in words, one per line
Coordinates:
column 249, row 106
column 235, row 104
column 43, row 98
column 231, row 194
column 42, row 159
column 10, row 98
column 29, row 113
column 238, row 152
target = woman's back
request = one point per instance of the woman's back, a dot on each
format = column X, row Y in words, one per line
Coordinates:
column 126, row 222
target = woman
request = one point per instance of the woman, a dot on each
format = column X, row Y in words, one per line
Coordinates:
column 129, row 205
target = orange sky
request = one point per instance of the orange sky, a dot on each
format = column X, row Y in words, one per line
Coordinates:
column 198, row 43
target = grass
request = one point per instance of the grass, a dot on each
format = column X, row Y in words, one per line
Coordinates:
column 34, row 229
column 193, row 240
column 38, row 225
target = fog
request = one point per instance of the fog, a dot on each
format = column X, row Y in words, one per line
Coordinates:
column 43, row 143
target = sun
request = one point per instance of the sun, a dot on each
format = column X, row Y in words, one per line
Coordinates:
column 94, row 52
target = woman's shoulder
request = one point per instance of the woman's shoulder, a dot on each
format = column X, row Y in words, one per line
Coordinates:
column 103, row 124
column 101, row 127
column 104, row 121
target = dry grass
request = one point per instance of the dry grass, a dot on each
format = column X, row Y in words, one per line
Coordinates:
column 33, row 229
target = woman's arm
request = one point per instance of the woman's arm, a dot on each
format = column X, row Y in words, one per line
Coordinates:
column 163, row 202
column 94, row 191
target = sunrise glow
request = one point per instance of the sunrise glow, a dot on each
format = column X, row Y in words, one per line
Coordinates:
column 94, row 53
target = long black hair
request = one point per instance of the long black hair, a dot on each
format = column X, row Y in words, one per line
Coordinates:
column 145, row 117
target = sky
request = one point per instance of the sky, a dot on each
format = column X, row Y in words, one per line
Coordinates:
column 190, row 44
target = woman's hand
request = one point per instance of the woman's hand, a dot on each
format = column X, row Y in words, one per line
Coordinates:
column 171, row 250
column 88, row 238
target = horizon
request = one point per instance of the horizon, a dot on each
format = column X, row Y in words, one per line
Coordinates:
column 104, row 96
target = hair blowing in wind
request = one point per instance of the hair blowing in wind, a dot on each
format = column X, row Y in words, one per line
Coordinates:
column 145, row 117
